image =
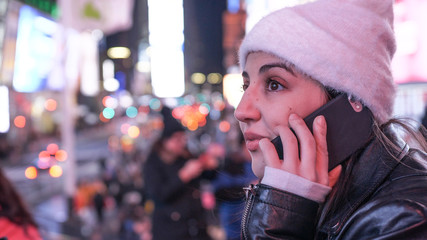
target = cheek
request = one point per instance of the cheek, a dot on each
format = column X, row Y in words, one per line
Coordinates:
column 278, row 116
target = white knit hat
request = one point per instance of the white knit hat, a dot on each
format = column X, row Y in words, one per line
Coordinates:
column 345, row 44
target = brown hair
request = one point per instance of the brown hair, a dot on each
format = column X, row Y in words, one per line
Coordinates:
column 12, row 206
column 337, row 197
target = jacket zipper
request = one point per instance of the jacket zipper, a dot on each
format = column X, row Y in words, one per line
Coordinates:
column 250, row 194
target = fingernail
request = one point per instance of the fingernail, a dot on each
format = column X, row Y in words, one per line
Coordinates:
column 321, row 120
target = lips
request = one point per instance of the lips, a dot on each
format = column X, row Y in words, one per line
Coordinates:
column 252, row 140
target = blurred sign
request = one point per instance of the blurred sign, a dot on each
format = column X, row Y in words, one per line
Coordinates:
column 109, row 16
column 409, row 63
column 47, row 6
column 35, row 51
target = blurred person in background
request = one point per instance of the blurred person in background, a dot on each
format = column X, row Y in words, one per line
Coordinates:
column 16, row 221
column 172, row 179
column 299, row 59
column 232, row 177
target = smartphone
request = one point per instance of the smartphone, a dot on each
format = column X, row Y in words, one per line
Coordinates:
column 349, row 127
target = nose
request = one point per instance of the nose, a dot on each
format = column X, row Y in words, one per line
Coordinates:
column 247, row 109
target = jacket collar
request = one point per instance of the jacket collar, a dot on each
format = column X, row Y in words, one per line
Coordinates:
column 372, row 168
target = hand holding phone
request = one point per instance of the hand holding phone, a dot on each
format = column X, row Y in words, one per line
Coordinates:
column 349, row 127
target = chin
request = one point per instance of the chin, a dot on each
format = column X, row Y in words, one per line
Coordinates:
column 258, row 166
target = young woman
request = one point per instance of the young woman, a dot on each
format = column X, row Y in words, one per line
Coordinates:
column 294, row 61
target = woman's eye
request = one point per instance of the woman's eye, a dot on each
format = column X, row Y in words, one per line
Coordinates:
column 273, row 85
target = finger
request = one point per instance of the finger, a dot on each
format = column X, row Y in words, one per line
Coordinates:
column 307, row 147
column 334, row 175
column 269, row 153
column 291, row 159
column 322, row 158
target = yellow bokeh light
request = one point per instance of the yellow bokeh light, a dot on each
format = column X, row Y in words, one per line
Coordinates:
column 198, row 78
column 214, row 78
column 133, row 131
column 55, row 171
column 118, row 52
column 31, row 172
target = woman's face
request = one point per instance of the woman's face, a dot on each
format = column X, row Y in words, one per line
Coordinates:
column 176, row 144
column 272, row 91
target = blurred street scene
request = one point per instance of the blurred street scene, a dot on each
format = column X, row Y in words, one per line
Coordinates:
column 82, row 88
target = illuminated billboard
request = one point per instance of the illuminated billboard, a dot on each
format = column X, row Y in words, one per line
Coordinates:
column 35, row 51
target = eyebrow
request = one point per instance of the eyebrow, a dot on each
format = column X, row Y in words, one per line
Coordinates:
column 266, row 67
column 284, row 66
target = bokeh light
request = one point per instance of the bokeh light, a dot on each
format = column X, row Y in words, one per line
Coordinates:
column 102, row 118
column 178, row 113
column 104, row 100
column 55, row 171
column 125, row 100
column 155, row 104
column 61, row 155
column 31, row 172
column 108, row 113
column 126, row 143
column 20, row 121
column 224, row 126
column 43, row 164
column 204, row 108
column 44, row 156
column 202, row 123
column 198, row 78
column 192, row 124
column 133, row 131
column 214, row 78
column 124, row 128
column 144, row 109
column 111, row 102
column 50, row 105
column 131, row 112
column 219, row 105
column 52, row 148
column 111, row 84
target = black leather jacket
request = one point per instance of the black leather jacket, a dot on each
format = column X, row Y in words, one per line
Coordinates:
column 386, row 199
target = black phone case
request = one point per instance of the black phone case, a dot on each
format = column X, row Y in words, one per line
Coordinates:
column 347, row 130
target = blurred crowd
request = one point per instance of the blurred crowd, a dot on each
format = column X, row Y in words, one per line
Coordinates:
column 167, row 192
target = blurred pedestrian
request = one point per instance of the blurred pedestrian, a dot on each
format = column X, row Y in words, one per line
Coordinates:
column 99, row 202
column 232, row 177
column 172, row 180
column 16, row 221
